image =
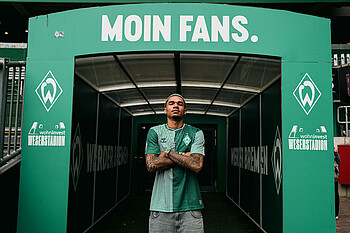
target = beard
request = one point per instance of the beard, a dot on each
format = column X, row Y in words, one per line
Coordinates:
column 176, row 117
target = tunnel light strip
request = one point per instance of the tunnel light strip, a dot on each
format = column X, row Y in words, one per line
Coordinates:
column 86, row 80
column 244, row 103
column 227, row 104
column 200, row 84
column 143, row 113
column 218, row 85
column 117, row 87
column 270, row 83
column 189, row 112
column 160, row 112
column 241, row 88
column 188, row 101
column 217, row 114
column 158, row 84
column 196, row 112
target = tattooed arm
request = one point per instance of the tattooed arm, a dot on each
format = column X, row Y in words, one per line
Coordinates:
column 156, row 163
column 193, row 162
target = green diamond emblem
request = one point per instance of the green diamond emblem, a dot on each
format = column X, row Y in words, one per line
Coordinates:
column 76, row 157
column 276, row 160
column 187, row 140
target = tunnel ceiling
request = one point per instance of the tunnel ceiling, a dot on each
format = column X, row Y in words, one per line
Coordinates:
column 212, row 84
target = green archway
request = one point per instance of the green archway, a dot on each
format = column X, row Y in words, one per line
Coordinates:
column 301, row 42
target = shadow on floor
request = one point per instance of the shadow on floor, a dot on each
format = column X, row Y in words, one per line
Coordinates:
column 220, row 215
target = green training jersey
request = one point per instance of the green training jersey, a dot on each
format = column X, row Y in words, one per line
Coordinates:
column 175, row 189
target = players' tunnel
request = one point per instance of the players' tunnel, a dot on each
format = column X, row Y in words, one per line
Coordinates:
column 256, row 81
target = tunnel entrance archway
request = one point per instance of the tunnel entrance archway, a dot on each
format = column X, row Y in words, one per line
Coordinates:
column 213, row 84
column 55, row 42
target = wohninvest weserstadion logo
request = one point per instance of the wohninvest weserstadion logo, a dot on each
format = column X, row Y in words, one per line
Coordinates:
column 48, row 91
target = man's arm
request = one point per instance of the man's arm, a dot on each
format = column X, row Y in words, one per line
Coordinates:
column 156, row 163
column 193, row 162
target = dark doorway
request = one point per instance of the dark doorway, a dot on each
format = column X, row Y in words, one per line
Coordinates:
column 207, row 178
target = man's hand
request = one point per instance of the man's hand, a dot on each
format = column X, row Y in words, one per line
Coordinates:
column 193, row 162
column 164, row 154
column 156, row 162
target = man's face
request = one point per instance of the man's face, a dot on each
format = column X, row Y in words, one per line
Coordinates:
column 175, row 108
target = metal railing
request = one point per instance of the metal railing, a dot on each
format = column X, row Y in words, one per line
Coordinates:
column 344, row 118
column 12, row 75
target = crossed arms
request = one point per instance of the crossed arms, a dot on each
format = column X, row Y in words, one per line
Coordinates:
column 193, row 162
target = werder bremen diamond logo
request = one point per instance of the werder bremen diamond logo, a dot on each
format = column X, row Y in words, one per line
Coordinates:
column 307, row 93
column 76, row 157
column 48, row 91
column 276, row 160
column 187, row 140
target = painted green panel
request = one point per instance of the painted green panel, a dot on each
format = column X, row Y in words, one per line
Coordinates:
column 273, row 36
column 307, row 147
column 45, row 147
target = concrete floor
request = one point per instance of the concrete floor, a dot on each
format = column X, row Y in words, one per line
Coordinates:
column 218, row 209
column 343, row 223
column 135, row 216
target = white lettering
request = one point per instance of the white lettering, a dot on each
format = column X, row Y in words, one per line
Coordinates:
column 184, row 28
column 218, row 28
column 200, row 30
column 160, row 28
column 255, row 158
column 242, row 30
column 133, row 22
column 112, row 32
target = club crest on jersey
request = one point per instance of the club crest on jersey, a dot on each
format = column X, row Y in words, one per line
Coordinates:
column 163, row 140
column 187, row 140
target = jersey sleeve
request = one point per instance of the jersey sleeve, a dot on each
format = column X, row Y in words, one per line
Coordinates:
column 198, row 144
column 152, row 146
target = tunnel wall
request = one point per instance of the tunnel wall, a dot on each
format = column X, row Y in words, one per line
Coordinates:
column 100, row 157
column 254, row 131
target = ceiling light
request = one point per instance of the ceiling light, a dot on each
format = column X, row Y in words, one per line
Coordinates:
column 6, row 33
column 26, row 30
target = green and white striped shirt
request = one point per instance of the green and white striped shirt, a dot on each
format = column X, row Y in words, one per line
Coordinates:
column 175, row 189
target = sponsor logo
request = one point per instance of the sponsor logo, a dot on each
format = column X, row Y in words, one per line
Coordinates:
column 39, row 135
column 276, row 160
column 251, row 158
column 163, row 140
column 76, row 157
column 59, row 34
column 307, row 93
column 312, row 140
column 48, row 91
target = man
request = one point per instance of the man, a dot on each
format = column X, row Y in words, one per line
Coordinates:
column 176, row 152
column 336, row 181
